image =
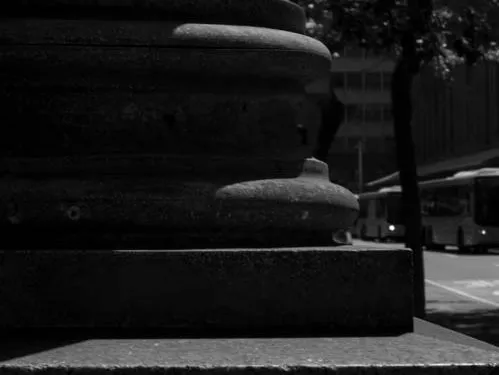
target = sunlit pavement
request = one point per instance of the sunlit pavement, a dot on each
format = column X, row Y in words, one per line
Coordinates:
column 462, row 290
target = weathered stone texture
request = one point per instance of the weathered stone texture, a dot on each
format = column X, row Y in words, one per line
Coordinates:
column 116, row 126
column 247, row 292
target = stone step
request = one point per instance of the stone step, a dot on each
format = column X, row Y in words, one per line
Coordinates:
column 256, row 292
column 429, row 352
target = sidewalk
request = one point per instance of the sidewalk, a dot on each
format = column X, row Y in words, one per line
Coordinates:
column 462, row 315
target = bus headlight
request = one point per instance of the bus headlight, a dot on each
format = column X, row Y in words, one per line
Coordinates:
column 391, row 228
column 483, row 232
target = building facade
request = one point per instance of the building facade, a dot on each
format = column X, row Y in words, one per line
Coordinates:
column 362, row 83
column 459, row 119
column 455, row 123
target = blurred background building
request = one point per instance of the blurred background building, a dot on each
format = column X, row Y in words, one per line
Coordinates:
column 455, row 124
column 364, row 147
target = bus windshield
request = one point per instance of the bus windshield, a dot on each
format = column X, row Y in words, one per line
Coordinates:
column 394, row 209
column 487, row 201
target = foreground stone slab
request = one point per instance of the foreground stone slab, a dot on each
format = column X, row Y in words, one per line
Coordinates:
column 410, row 353
column 291, row 291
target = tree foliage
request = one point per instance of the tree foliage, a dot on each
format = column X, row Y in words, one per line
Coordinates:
column 443, row 33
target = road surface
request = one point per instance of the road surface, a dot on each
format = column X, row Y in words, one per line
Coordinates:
column 462, row 290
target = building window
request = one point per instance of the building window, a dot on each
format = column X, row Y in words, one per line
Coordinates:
column 340, row 145
column 387, row 81
column 379, row 145
column 373, row 113
column 353, row 52
column 338, row 80
column 390, row 145
column 387, row 113
column 369, row 144
column 353, row 143
column 373, row 81
column 353, row 113
column 354, row 81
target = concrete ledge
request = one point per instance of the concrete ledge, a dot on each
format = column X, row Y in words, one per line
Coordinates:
column 267, row 292
column 407, row 354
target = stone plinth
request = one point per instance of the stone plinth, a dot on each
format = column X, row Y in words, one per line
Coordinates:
column 122, row 120
column 407, row 354
column 295, row 291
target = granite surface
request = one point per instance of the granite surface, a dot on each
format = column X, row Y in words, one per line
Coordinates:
column 302, row 291
column 190, row 79
column 96, row 49
column 109, row 123
column 135, row 210
column 310, row 201
column 276, row 14
column 85, row 83
column 311, row 186
column 83, row 97
column 151, row 33
column 407, row 354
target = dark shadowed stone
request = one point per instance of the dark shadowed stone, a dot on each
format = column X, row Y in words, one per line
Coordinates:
column 290, row 291
column 119, row 132
column 85, row 50
column 274, row 14
column 166, row 213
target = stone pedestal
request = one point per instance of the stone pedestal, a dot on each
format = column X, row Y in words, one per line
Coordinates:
column 127, row 117
column 341, row 310
column 167, row 126
column 242, row 292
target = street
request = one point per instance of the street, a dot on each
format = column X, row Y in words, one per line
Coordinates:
column 462, row 290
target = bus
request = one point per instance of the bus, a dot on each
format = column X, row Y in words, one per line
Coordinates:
column 380, row 216
column 461, row 210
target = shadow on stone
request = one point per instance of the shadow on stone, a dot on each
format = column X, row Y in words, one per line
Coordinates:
column 160, row 238
column 480, row 324
column 15, row 346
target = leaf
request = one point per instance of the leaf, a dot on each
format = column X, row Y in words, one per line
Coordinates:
column 443, row 36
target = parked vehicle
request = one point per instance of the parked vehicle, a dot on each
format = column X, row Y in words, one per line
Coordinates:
column 462, row 210
column 380, row 215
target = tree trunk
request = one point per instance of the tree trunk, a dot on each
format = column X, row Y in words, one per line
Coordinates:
column 401, row 88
